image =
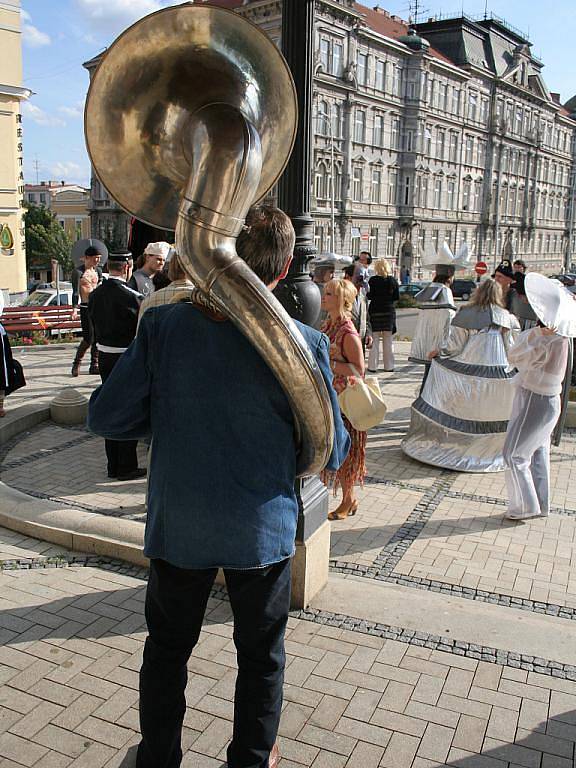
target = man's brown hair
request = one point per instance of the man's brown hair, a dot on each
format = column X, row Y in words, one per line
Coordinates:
column 267, row 242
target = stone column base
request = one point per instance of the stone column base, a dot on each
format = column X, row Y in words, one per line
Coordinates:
column 309, row 567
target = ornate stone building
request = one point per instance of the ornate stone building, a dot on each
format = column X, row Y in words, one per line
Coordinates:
column 445, row 132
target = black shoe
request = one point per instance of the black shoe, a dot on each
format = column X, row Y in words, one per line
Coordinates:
column 136, row 474
column 113, row 475
column 371, row 370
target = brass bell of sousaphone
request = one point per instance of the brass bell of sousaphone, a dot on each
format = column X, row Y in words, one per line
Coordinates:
column 190, row 119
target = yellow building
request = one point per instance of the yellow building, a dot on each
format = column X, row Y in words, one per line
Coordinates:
column 12, row 248
column 70, row 206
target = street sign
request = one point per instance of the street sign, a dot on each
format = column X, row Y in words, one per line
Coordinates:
column 481, row 268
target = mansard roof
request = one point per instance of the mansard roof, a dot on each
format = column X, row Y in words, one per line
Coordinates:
column 393, row 27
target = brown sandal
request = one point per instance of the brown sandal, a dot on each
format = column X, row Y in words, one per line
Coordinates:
column 341, row 512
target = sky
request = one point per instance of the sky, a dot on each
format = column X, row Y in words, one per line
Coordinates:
column 59, row 35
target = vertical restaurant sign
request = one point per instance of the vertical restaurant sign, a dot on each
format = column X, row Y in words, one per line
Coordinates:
column 20, row 149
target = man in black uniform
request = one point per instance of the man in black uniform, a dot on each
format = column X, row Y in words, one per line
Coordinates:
column 113, row 309
column 85, row 278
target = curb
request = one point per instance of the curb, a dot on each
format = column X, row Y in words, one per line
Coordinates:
column 22, row 418
column 75, row 529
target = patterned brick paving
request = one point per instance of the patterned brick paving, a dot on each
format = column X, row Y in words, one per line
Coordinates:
column 71, row 647
column 356, row 694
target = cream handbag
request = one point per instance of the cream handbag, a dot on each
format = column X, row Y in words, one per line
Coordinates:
column 362, row 402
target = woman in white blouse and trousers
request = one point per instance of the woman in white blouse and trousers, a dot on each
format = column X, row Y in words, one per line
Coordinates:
column 540, row 355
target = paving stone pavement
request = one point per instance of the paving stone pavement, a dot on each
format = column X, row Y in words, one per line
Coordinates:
column 71, row 644
column 358, row 693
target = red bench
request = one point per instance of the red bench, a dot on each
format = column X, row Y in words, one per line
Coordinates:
column 18, row 320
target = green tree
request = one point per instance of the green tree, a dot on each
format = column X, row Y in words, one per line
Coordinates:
column 46, row 240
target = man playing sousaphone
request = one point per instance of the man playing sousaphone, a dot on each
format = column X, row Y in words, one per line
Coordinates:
column 221, row 494
column 236, row 398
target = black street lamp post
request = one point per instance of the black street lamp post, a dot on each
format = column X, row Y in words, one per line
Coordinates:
column 297, row 293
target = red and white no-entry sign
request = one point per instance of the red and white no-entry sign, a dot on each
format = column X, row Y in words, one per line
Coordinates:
column 481, row 268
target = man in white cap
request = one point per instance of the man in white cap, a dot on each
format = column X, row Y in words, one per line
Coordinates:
column 540, row 355
column 155, row 254
column 179, row 289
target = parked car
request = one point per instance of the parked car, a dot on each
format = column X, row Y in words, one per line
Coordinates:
column 410, row 289
column 47, row 297
column 463, row 289
column 568, row 279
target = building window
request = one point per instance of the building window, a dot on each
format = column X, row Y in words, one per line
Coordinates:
column 451, row 194
column 472, row 105
column 357, row 181
column 376, row 192
column 407, row 197
column 390, row 242
column 427, row 143
column 395, row 134
column 435, row 239
column 519, row 115
column 31, row 197
column 61, row 222
column 477, row 196
column 440, row 143
column 453, row 147
column 392, row 185
column 409, row 141
column 362, row 68
column 373, row 242
column 481, row 153
column 325, row 54
column 321, row 187
column 337, row 58
column 380, row 75
column 484, row 107
column 397, row 81
column 322, row 113
column 438, row 192
column 78, row 228
column 456, row 101
column 360, row 126
column 42, row 198
column 466, row 189
column 469, row 155
column 422, row 192
column 378, row 138
column 443, row 97
column 412, row 88
column 337, row 121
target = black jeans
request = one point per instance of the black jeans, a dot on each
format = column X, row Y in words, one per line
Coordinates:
column 175, row 605
column 121, row 454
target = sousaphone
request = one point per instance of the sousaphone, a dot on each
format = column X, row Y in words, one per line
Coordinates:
column 190, row 119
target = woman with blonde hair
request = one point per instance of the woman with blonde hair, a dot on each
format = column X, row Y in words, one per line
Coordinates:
column 460, row 418
column 382, row 293
column 346, row 361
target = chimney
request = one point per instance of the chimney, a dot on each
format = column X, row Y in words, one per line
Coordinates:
column 555, row 98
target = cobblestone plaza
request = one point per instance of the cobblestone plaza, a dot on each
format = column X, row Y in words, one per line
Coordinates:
column 444, row 637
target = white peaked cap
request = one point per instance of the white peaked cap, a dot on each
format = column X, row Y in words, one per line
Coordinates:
column 463, row 257
column 158, row 249
column 446, row 258
column 554, row 306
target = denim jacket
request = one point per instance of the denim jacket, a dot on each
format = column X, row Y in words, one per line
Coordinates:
column 223, row 457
